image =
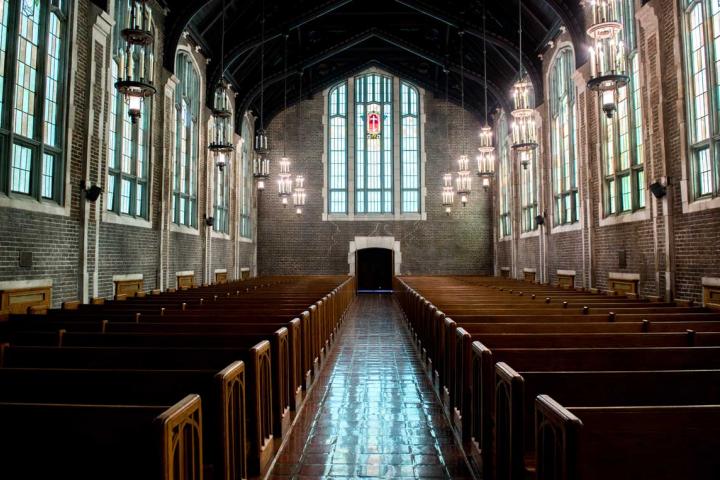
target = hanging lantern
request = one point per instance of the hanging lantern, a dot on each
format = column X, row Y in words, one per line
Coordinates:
column 448, row 193
column 221, row 144
column 486, row 158
column 299, row 195
column 463, row 180
column 608, row 69
column 137, row 58
column 524, row 129
column 525, row 157
column 285, row 182
column 261, row 162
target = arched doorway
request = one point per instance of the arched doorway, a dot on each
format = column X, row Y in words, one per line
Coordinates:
column 374, row 269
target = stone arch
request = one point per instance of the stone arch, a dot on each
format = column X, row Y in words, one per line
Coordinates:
column 361, row 243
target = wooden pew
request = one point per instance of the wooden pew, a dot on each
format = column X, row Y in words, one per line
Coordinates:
column 258, row 375
column 515, row 394
column 72, row 441
column 626, row 442
column 224, row 410
column 482, row 383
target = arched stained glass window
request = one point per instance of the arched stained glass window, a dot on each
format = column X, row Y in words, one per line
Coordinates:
column 246, row 181
column 623, row 151
column 702, row 66
column 373, row 144
column 374, row 148
column 409, row 148
column 337, row 149
column 563, row 138
column 128, row 155
column 32, row 81
column 187, row 105
column 504, row 184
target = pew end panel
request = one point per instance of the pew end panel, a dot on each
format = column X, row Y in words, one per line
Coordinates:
column 234, row 420
column 556, row 436
column 509, row 423
column 181, row 432
column 260, row 429
column 280, row 348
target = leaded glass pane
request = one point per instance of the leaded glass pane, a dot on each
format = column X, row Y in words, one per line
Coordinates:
column 3, row 50
column 26, row 73
column 337, row 150
column 52, row 80
column 410, row 149
column 46, row 183
column 21, row 169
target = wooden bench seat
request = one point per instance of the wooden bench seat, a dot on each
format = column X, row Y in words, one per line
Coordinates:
column 627, row 442
column 145, row 443
column 480, row 394
column 224, row 407
column 515, row 394
column 258, row 375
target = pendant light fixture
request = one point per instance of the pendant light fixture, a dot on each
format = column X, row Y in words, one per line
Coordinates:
column 486, row 158
column 464, row 179
column 448, row 192
column 261, row 162
column 221, row 145
column 608, row 68
column 285, row 183
column 137, row 58
column 524, row 128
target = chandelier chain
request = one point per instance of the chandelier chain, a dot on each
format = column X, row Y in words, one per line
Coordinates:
column 485, row 65
column 462, row 92
column 284, row 119
column 262, row 66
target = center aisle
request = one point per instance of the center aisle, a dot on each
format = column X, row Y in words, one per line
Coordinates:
column 372, row 412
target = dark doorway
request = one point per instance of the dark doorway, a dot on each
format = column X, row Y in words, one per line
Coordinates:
column 375, row 268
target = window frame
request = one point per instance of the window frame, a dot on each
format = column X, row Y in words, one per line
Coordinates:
column 504, row 179
column 386, row 100
column 564, row 162
column 245, row 227
column 330, row 170
column 38, row 146
column 711, row 144
column 192, row 155
column 529, row 194
column 613, row 173
column 418, row 145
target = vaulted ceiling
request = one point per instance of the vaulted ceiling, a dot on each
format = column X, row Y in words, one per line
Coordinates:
column 329, row 40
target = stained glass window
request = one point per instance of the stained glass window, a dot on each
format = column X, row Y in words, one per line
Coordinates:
column 504, row 178
column 373, row 144
column 623, row 144
column 31, row 85
column 702, row 63
column 187, row 104
column 409, row 148
column 337, row 149
column 563, row 138
column 246, row 182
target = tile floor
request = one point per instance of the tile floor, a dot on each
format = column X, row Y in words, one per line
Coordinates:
column 372, row 412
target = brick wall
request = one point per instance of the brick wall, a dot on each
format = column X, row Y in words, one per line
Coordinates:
column 56, row 241
column 458, row 244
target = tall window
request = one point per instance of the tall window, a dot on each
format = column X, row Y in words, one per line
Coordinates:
column 128, row 155
column 504, row 178
column 623, row 141
column 32, row 86
column 409, row 148
column 373, row 144
column 379, row 114
column 337, row 149
column 563, row 138
column 187, row 105
column 246, row 182
column 528, row 193
column 702, row 63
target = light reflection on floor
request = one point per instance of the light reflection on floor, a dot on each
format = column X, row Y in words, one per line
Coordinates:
column 373, row 412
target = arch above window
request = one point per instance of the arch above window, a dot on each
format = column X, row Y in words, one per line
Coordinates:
column 374, row 148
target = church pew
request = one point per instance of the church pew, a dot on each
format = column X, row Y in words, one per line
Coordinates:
column 73, row 441
column 480, row 394
column 515, row 394
column 279, row 341
column 258, row 375
column 221, row 394
column 647, row 326
column 626, row 442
